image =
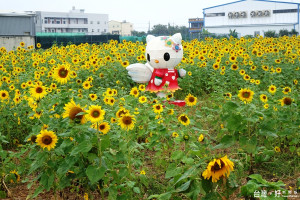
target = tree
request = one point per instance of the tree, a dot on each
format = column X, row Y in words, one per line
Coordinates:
column 138, row 33
column 270, row 33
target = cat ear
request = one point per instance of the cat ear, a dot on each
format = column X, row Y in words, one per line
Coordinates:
column 149, row 38
column 176, row 38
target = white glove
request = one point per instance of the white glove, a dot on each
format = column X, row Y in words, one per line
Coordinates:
column 157, row 81
column 182, row 72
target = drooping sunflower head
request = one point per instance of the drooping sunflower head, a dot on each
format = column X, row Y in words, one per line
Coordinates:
column 286, row 101
column 191, row 100
column 121, row 112
column 184, row 119
column 127, row 122
column 286, row 90
column 95, row 114
column 46, row 139
column 15, row 177
column 246, row 95
column 74, row 112
column 218, row 168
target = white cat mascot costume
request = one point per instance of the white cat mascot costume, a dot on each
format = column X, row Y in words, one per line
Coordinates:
column 163, row 54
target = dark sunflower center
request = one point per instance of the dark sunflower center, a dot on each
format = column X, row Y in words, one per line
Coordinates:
column 95, row 113
column 216, row 166
column 74, row 111
column 102, row 127
column 93, row 96
column 234, row 66
column 191, row 99
column 287, row 90
column 264, row 97
column 33, row 138
column 122, row 112
column 39, row 90
column 3, row 95
column 47, row 140
column 135, row 92
column 246, row 94
column 63, row 73
column 127, row 120
column 272, row 88
column 287, row 101
column 157, row 107
column 183, row 118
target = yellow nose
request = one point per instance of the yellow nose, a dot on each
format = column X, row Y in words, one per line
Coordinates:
column 156, row 61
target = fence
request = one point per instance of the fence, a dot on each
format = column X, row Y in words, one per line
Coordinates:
column 47, row 40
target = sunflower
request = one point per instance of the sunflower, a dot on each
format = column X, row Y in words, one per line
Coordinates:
column 278, row 70
column 95, row 114
column 246, row 77
column 127, row 122
column 103, row 127
column 263, row 98
column 142, row 99
column 142, row 87
column 170, row 112
column 93, row 97
column 246, row 95
column 184, row 119
column 175, row 135
column 232, row 58
column 16, row 178
column 266, row 106
column 72, row 110
column 286, row 101
column 191, row 100
column 216, row 66
column 218, row 168
column 234, row 67
column 277, row 149
column 272, row 89
column 121, row 112
column 86, row 85
column 46, row 139
column 158, row 108
column 62, row 74
column 38, row 91
column 286, row 90
column 227, row 96
column 4, row 95
column 200, row 138
column 134, row 92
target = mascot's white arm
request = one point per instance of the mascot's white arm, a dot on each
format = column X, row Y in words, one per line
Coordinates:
column 140, row 73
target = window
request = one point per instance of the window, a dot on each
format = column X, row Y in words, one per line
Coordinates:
column 104, row 30
column 98, row 30
column 92, row 30
column 98, row 22
column 64, row 22
column 285, row 11
column 58, row 22
column 91, row 22
column 214, row 14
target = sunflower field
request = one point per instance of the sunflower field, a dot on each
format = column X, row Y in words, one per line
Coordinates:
column 73, row 125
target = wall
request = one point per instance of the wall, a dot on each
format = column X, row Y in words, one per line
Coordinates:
column 262, row 24
column 12, row 42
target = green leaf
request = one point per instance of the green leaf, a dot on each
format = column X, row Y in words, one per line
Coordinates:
column 95, row 173
column 165, row 196
column 226, row 142
column 82, row 148
column 172, row 171
column 137, row 190
column 188, row 173
column 66, row 165
column 206, row 185
column 37, row 191
column 176, row 155
column 183, row 187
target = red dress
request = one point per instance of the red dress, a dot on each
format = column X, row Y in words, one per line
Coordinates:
column 168, row 77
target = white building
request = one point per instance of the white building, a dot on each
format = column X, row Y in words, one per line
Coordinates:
column 120, row 28
column 75, row 21
column 252, row 17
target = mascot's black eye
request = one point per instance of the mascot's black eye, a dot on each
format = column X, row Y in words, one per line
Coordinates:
column 167, row 56
column 148, row 57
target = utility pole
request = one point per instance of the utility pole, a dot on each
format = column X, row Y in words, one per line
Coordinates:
column 149, row 28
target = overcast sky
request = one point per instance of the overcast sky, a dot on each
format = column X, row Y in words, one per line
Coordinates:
column 138, row 12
